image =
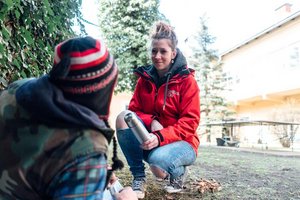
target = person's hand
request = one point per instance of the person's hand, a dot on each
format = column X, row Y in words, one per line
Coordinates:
column 112, row 178
column 126, row 194
column 156, row 126
column 151, row 143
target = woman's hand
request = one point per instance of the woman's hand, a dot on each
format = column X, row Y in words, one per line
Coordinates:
column 151, row 143
column 156, row 126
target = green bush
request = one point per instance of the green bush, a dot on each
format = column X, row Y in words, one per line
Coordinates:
column 29, row 30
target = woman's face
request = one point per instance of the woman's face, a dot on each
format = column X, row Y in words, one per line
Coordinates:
column 161, row 55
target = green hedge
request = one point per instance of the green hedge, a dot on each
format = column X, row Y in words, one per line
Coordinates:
column 29, row 30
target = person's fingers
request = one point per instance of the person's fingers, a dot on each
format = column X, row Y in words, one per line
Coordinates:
column 128, row 188
column 127, row 194
column 151, row 143
column 113, row 178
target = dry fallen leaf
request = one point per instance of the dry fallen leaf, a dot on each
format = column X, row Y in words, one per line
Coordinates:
column 204, row 186
column 169, row 197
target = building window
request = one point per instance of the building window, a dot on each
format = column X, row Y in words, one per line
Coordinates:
column 294, row 57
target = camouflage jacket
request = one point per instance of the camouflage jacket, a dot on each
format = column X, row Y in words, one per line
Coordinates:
column 35, row 143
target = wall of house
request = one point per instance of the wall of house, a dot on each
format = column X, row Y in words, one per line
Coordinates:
column 266, row 83
column 266, row 65
column 118, row 104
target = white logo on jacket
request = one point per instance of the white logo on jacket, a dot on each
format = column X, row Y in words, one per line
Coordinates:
column 172, row 93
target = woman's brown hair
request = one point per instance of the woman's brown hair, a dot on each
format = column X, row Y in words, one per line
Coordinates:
column 162, row 30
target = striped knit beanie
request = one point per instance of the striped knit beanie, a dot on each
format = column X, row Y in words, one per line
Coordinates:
column 86, row 72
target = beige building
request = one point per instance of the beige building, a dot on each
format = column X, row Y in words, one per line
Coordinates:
column 119, row 103
column 265, row 71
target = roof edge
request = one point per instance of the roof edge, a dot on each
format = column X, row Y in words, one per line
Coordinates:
column 265, row 31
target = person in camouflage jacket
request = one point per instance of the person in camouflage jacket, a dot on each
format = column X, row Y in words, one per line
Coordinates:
column 54, row 134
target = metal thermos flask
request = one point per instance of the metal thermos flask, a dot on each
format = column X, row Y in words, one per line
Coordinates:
column 109, row 193
column 137, row 127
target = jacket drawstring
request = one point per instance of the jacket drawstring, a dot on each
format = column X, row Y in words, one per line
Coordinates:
column 166, row 90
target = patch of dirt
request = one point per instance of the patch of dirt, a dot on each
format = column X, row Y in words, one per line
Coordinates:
column 225, row 173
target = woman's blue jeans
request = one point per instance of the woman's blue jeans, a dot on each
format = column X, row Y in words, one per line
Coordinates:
column 171, row 158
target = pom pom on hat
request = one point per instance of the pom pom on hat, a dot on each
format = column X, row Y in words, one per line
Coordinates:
column 86, row 72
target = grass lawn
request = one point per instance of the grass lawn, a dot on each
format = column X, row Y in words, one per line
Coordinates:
column 242, row 175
